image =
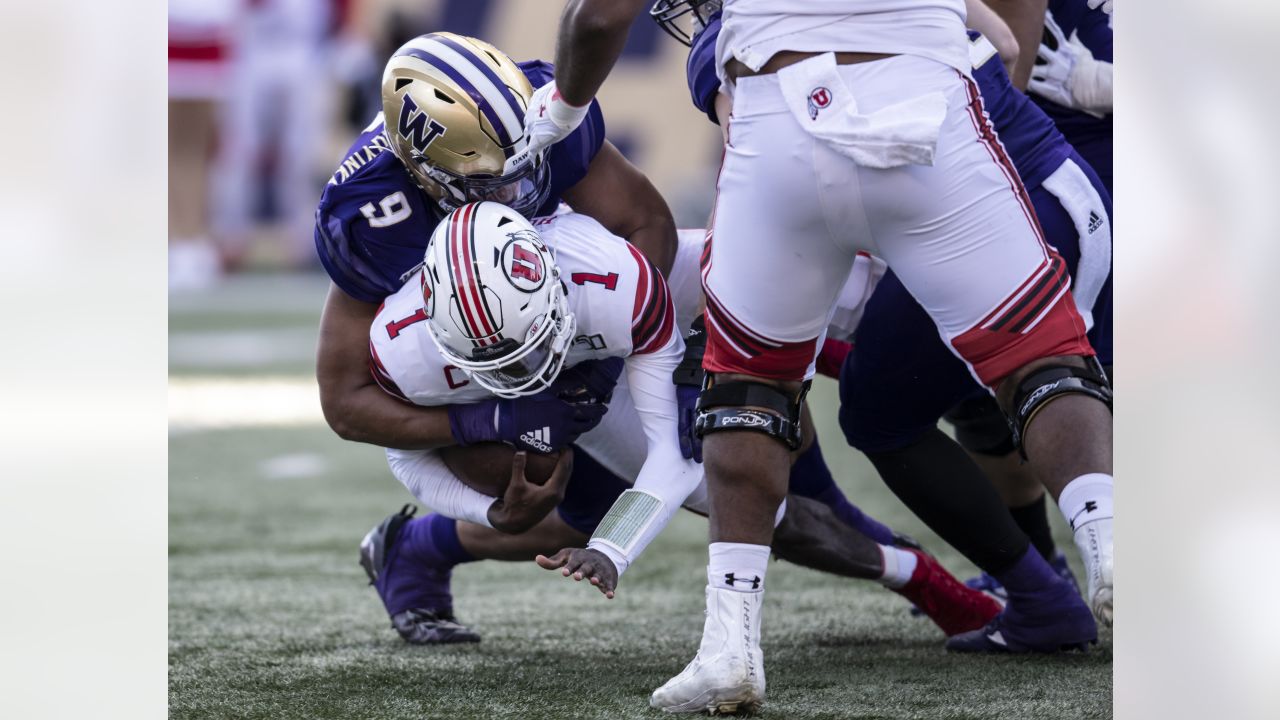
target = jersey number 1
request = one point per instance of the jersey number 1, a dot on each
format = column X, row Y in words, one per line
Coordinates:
column 610, row 281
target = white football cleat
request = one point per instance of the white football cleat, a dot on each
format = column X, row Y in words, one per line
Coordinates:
column 727, row 674
column 1094, row 539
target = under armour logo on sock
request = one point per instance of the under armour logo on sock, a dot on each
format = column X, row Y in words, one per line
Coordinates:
column 730, row 579
column 1089, row 506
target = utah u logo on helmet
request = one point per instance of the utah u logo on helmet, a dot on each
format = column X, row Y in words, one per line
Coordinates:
column 416, row 126
column 523, row 256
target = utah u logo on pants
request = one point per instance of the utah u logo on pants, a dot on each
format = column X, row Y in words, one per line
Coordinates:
column 819, row 98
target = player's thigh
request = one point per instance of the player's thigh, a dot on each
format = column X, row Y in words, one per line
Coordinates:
column 900, row 376
column 771, row 269
column 963, row 238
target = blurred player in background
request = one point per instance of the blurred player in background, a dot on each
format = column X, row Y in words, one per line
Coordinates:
column 906, row 167
column 452, row 134
column 199, row 40
column 275, row 117
column 450, row 340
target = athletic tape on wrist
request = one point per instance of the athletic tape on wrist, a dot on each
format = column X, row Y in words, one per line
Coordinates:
column 563, row 114
column 628, row 520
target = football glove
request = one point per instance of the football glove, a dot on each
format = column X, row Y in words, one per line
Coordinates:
column 550, row 119
column 1106, row 5
column 546, row 422
column 1066, row 73
column 688, row 377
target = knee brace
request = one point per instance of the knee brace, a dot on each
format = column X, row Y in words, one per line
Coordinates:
column 981, row 427
column 731, row 406
column 1049, row 383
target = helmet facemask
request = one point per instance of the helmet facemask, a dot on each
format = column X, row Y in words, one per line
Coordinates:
column 511, row 369
column 684, row 19
column 524, row 190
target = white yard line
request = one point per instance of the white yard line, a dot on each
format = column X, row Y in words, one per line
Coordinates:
column 212, row 402
column 216, row 349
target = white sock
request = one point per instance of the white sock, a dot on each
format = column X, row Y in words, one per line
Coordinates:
column 1088, row 498
column 899, row 566
column 737, row 566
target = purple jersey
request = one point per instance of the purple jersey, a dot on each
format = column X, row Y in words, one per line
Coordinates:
column 373, row 222
column 1034, row 145
column 1090, row 135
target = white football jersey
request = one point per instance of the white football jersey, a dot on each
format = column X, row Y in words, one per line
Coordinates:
column 622, row 304
column 624, row 308
column 754, row 30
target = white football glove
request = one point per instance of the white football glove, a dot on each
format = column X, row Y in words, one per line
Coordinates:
column 550, row 119
column 1070, row 76
column 1106, row 5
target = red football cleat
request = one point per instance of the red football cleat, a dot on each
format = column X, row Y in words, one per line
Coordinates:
column 948, row 602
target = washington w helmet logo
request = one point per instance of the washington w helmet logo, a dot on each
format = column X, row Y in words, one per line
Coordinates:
column 420, row 130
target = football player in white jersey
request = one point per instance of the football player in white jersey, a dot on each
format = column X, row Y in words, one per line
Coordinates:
column 497, row 309
column 855, row 126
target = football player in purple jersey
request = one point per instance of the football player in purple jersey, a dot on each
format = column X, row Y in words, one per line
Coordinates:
column 450, row 133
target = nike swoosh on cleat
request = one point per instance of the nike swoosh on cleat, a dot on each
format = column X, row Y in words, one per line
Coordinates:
column 997, row 638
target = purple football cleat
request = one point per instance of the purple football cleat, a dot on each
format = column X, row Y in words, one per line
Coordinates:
column 1051, row 620
column 412, row 579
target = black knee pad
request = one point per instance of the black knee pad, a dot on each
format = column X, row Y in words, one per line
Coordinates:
column 981, row 427
column 730, row 406
column 1049, row 383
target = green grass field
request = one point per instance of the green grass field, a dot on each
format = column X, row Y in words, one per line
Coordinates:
column 271, row 617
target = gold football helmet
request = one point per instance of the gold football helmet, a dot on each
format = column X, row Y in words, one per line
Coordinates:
column 453, row 109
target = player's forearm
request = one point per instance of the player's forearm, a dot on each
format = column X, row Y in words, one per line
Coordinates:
column 657, row 241
column 353, row 404
column 431, row 481
column 592, row 35
column 666, row 479
column 644, row 219
column 1026, row 19
column 993, row 28
column 367, row 414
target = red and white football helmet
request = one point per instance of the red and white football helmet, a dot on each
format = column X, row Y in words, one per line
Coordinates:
column 495, row 305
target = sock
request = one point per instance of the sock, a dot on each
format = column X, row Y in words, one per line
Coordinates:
column 899, row 566
column 1087, row 498
column 432, row 540
column 1030, row 577
column 419, row 565
column 737, row 566
column 938, row 481
column 1035, row 523
column 811, row 478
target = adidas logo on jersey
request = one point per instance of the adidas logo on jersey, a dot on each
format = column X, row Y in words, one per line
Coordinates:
column 1095, row 222
column 539, row 439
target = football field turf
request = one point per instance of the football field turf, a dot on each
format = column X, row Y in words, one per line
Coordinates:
column 271, row 617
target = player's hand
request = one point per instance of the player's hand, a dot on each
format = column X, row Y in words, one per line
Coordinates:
column 525, row 504
column 688, row 377
column 550, row 119
column 590, row 381
column 584, row 564
column 1106, row 5
column 1055, row 60
column 1067, row 73
column 687, row 415
column 541, row 423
